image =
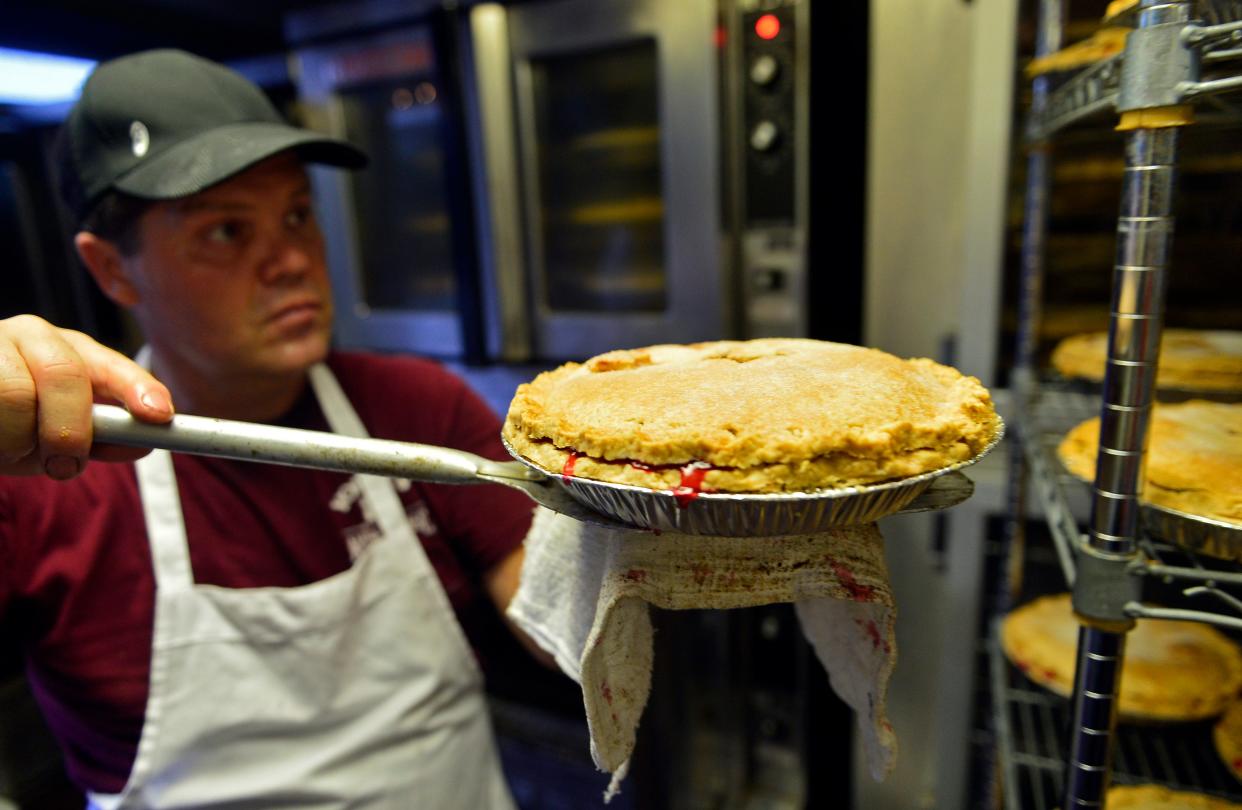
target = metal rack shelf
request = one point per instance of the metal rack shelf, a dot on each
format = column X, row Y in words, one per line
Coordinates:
column 1032, row 725
column 1064, row 502
column 1177, row 52
column 1097, row 88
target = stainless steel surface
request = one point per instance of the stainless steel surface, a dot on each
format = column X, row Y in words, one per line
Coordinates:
column 773, row 259
column 1160, row 67
column 1154, row 60
column 1048, row 36
column 686, row 64
column 1216, row 538
column 766, row 515
column 1129, row 385
column 505, row 298
column 1139, row 610
column 593, row 502
column 1134, row 337
column 389, row 231
column 1095, row 717
column 247, row 441
column 1092, row 91
column 1157, row 69
column 1157, row 64
column 1030, row 722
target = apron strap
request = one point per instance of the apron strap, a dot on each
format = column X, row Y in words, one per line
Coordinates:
column 343, row 419
column 161, row 501
column 161, row 506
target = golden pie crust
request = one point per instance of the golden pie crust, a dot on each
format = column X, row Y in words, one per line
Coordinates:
column 1158, row 797
column 769, row 415
column 1194, row 458
column 1227, row 735
column 1173, row 671
column 1190, row 359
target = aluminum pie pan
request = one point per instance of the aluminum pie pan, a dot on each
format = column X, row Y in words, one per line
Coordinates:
column 1202, row 535
column 744, row 515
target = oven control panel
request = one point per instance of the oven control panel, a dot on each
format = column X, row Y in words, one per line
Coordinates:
column 773, row 84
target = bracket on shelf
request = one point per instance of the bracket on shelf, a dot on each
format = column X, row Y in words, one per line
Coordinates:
column 1103, row 592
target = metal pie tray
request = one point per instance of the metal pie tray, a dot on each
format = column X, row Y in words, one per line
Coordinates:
column 1202, row 535
column 759, row 515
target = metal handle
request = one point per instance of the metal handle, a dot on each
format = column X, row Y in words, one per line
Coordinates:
column 248, row 441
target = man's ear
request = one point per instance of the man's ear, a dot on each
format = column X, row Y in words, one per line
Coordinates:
column 105, row 263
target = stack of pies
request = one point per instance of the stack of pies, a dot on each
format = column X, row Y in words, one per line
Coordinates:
column 1190, row 359
column 1194, row 458
column 760, row 416
column 1172, row 671
column 1156, row 797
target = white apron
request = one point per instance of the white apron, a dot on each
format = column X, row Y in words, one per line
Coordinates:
column 357, row 691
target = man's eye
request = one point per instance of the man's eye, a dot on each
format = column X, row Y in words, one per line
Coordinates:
column 298, row 217
column 224, row 232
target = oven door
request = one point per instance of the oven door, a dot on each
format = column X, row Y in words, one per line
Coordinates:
column 400, row 234
column 614, row 125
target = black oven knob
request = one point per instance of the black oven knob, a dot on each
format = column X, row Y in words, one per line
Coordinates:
column 768, row 280
column 765, row 70
column 764, row 136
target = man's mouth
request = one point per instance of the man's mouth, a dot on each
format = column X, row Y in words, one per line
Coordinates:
column 295, row 314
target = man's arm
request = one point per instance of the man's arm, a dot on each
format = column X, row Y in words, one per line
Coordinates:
column 501, row 581
column 48, row 380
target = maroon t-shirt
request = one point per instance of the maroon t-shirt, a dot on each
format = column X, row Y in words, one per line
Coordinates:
column 77, row 587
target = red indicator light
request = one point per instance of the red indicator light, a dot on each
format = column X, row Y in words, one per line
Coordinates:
column 768, row 26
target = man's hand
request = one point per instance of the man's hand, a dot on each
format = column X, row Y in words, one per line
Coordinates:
column 49, row 378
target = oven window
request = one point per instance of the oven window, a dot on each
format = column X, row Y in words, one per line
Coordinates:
column 404, row 244
column 601, row 212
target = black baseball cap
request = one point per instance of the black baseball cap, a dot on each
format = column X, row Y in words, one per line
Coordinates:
column 165, row 124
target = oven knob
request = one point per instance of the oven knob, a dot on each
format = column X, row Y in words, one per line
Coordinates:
column 764, row 70
column 768, row 280
column 764, row 136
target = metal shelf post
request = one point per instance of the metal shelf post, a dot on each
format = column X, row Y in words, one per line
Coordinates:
column 1144, row 239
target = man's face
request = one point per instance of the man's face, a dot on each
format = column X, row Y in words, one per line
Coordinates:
column 233, row 280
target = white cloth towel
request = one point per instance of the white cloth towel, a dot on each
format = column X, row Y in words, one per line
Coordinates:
column 585, row 593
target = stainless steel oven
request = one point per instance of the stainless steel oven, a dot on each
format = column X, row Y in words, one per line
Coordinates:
column 401, row 235
column 654, row 168
column 557, row 178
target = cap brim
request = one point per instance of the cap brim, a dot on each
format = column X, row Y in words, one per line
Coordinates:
column 214, row 156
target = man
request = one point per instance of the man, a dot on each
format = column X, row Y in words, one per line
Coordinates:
column 213, row 633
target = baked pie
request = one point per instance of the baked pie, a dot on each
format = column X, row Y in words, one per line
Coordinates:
column 1190, row 359
column 1172, row 670
column 1194, row 458
column 1227, row 736
column 1158, row 797
column 769, row 415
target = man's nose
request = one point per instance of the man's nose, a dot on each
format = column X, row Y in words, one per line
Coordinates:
column 287, row 256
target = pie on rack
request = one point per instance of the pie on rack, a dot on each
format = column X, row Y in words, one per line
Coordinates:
column 1190, row 359
column 1173, row 671
column 769, row 415
column 1194, row 458
column 1158, row 797
column 1227, row 736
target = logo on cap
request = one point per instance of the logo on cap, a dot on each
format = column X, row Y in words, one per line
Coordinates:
column 140, row 139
